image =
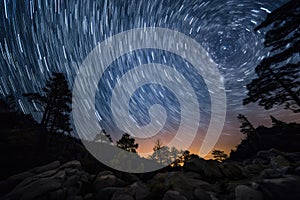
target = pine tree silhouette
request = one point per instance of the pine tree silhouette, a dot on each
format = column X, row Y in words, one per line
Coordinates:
column 278, row 80
column 219, row 155
column 55, row 102
column 127, row 143
column 158, row 145
column 246, row 127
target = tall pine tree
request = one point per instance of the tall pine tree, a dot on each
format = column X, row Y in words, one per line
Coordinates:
column 278, row 81
column 127, row 143
column 55, row 102
column 246, row 127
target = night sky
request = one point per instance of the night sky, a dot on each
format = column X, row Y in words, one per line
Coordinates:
column 43, row 36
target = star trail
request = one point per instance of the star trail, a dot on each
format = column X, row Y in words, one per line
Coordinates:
column 40, row 37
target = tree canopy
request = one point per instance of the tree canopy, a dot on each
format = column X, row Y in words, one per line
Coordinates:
column 127, row 143
column 278, row 81
column 246, row 127
column 55, row 102
column 219, row 155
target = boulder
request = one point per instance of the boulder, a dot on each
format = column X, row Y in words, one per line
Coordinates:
column 208, row 169
column 12, row 181
column 243, row 192
column 232, row 171
column 264, row 157
column 288, row 170
column 36, row 188
column 107, row 181
column 286, row 187
column 128, row 178
column 76, row 183
column 179, row 182
column 279, row 162
column 21, row 176
column 71, row 171
column 271, row 173
column 59, row 182
column 103, row 173
column 268, row 154
column 293, row 157
column 253, row 170
column 213, row 196
column 230, row 186
column 201, row 194
column 192, row 175
column 173, row 195
column 261, row 161
column 71, row 164
column 138, row 190
column 47, row 167
column 52, row 174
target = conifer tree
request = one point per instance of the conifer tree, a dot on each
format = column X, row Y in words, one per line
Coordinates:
column 278, row 81
column 55, row 102
column 127, row 143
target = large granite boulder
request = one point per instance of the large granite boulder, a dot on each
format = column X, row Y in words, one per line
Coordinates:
column 180, row 182
column 231, row 171
column 139, row 190
column 201, row 194
column 32, row 188
column 286, row 187
column 279, row 162
column 243, row 192
column 253, row 170
column 268, row 154
column 12, row 181
column 109, row 180
column 271, row 173
column 208, row 169
column 293, row 157
column 52, row 181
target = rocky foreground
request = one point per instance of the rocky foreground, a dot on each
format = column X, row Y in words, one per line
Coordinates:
column 269, row 175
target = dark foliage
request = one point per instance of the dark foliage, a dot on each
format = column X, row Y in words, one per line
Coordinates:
column 127, row 143
column 278, row 80
column 282, row 136
column 246, row 127
column 219, row 155
column 55, row 103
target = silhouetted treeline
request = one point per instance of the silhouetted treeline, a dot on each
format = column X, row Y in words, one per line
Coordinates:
column 278, row 83
column 282, row 136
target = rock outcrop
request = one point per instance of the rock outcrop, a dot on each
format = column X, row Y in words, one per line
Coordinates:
column 268, row 175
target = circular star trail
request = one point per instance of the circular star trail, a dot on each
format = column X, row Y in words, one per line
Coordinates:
column 40, row 37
